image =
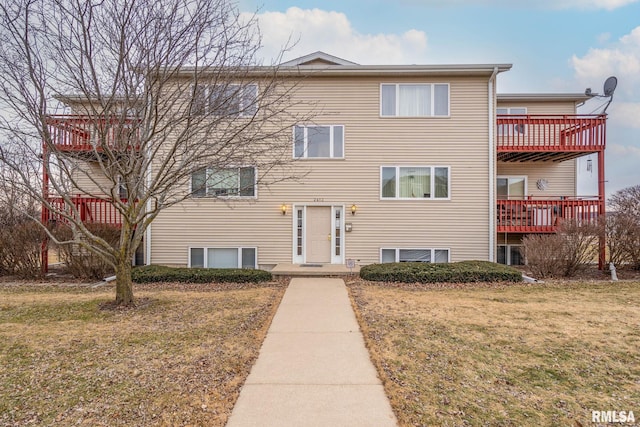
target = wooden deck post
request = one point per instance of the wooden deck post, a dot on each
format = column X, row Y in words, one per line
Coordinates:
column 601, row 210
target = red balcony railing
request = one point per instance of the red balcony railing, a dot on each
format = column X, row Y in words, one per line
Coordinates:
column 531, row 133
column 89, row 209
column 543, row 216
column 84, row 133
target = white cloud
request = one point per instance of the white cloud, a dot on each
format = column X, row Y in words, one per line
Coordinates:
column 604, row 38
column 331, row 32
column 592, row 4
column 620, row 58
column 540, row 4
column 624, row 151
column 626, row 114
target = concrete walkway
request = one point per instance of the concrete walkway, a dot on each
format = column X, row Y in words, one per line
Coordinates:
column 313, row 368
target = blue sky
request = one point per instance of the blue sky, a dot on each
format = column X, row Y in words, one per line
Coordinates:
column 554, row 46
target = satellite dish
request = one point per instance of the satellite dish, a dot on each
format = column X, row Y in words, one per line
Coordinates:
column 610, row 86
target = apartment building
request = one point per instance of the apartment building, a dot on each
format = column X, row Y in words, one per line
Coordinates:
column 405, row 163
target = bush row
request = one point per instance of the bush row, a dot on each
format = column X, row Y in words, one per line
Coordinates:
column 457, row 272
column 157, row 273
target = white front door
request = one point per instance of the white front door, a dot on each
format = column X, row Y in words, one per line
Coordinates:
column 318, row 234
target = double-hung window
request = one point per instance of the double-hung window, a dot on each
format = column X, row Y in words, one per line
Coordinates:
column 227, row 100
column 414, row 255
column 414, row 182
column 322, row 141
column 414, row 99
column 223, row 257
column 229, row 182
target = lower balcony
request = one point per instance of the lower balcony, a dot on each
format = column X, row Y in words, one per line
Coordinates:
column 543, row 216
column 91, row 210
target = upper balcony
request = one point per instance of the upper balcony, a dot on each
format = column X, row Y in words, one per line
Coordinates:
column 76, row 133
column 531, row 138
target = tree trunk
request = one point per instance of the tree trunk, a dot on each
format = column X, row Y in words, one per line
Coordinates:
column 124, row 285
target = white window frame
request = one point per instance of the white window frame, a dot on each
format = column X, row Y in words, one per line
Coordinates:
column 432, row 100
column 511, row 131
column 212, row 196
column 432, row 183
column 306, row 142
column 432, row 250
column 507, row 257
column 508, row 177
column 238, row 88
column 239, row 248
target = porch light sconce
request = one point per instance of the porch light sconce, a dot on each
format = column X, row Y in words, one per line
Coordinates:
column 283, row 209
column 354, row 209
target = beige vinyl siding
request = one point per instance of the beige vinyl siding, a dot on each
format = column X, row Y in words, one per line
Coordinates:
column 561, row 177
column 460, row 141
column 89, row 179
column 541, row 107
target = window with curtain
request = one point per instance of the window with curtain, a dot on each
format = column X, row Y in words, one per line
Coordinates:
column 414, row 100
column 319, row 141
column 416, row 182
column 414, row 255
column 231, row 182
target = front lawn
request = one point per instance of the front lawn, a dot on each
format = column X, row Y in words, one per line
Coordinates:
column 505, row 355
column 180, row 358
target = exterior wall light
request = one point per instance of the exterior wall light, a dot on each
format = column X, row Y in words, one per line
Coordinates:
column 354, row 209
column 283, row 209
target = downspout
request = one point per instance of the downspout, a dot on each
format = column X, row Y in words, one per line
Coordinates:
column 147, row 237
column 492, row 167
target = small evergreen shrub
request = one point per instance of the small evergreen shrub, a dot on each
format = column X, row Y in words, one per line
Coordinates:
column 159, row 273
column 456, row 272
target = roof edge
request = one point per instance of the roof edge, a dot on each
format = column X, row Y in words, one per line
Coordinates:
column 532, row 97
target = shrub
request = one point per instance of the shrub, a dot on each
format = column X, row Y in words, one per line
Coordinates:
column 458, row 272
column 20, row 249
column 626, row 204
column 620, row 234
column 81, row 262
column 543, row 253
column 158, row 273
column 562, row 254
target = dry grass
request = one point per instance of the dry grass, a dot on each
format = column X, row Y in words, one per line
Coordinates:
column 178, row 359
column 539, row 355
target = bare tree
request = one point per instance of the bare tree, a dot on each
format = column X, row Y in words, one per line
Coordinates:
column 158, row 90
column 625, row 223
